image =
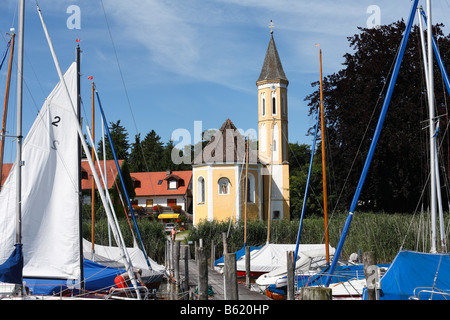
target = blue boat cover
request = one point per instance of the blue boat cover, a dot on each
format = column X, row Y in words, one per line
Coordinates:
column 411, row 270
column 11, row 269
column 238, row 253
column 341, row 274
column 97, row 278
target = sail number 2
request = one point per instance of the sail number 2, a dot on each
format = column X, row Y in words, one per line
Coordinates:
column 57, row 119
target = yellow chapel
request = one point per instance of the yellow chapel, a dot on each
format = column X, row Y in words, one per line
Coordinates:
column 222, row 177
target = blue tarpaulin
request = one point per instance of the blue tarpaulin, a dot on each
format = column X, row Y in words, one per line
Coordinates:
column 412, row 270
column 238, row 253
column 97, row 278
column 11, row 269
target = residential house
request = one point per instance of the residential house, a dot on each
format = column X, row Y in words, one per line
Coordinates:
column 166, row 189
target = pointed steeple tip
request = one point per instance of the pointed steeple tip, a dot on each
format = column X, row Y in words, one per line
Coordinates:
column 272, row 68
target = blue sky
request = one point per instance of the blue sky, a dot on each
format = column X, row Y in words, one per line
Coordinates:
column 190, row 60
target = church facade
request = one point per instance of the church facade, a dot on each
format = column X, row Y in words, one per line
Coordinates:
column 224, row 184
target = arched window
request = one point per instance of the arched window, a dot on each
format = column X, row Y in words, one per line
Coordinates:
column 263, row 104
column 224, row 186
column 201, row 190
column 274, row 103
column 275, row 143
column 250, row 183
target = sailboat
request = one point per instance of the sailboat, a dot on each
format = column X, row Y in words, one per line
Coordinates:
column 41, row 230
column 412, row 275
column 419, row 275
column 152, row 272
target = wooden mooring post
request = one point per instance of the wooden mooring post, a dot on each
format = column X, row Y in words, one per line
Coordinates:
column 315, row 293
column 186, row 268
column 230, row 277
column 247, row 266
column 371, row 274
column 202, row 274
column 290, row 274
column 176, row 261
column 213, row 254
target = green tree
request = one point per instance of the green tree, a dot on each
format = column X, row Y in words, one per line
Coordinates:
column 136, row 159
column 116, row 198
column 299, row 159
column 119, row 136
column 353, row 98
column 152, row 148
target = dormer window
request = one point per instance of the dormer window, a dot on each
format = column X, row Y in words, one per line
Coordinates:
column 172, row 184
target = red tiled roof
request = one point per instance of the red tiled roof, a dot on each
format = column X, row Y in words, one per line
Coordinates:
column 148, row 180
column 150, row 185
column 86, row 184
column 5, row 171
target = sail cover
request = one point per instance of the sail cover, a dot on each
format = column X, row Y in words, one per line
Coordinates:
column 272, row 256
column 415, row 274
column 50, row 199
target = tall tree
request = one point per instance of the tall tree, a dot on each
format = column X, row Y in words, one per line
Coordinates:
column 353, row 98
column 153, row 149
column 136, row 158
column 119, row 136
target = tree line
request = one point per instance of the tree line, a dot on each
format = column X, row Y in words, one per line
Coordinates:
column 353, row 98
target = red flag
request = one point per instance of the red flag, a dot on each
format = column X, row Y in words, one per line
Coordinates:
column 90, row 77
column 78, row 40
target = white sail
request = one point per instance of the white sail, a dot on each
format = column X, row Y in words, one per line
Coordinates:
column 50, row 199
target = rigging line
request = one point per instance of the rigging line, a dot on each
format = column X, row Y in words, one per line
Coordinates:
column 126, row 93
column 422, row 194
column 123, row 204
column 24, row 80
column 366, row 131
column 301, row 170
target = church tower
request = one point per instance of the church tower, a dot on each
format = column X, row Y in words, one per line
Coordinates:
column 273, row 134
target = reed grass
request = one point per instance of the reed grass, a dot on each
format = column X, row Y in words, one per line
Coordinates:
column 383, row 233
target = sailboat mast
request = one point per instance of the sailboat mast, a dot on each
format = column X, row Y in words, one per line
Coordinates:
column 246, row 193
column 93, row 182
column 19, row 122
column 324, row 174
column 431, row 127
column 447, row 84
column 5, row 107
column 19, row 130
column 80, row 220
